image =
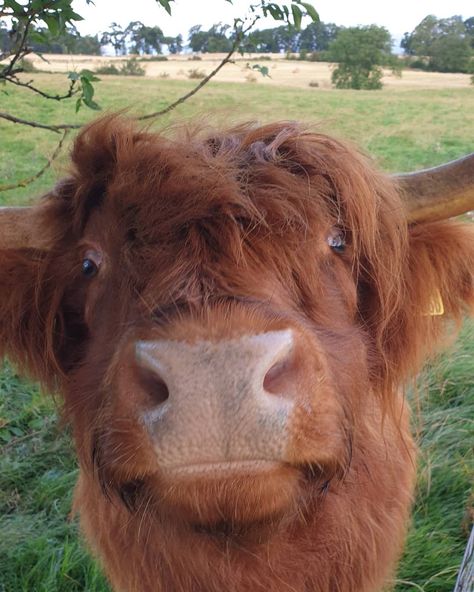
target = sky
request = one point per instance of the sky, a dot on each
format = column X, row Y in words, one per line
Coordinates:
column 397, row 17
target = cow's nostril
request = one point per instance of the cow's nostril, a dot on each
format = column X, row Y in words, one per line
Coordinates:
column 150, row 373
column 155, row 387
column 277, row 378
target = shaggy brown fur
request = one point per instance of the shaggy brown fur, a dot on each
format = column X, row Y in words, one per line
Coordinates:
column 220, row 234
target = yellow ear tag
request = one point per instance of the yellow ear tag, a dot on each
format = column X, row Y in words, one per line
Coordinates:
column 436, row 305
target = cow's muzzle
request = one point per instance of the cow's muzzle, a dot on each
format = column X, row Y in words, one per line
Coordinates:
column 220, row 408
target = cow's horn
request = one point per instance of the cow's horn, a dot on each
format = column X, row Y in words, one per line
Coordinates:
column 440, row 192
column 21, row 227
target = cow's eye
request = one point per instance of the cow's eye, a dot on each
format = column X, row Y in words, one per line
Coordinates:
column 90, row 264
column 337, row 240
column 89, row 268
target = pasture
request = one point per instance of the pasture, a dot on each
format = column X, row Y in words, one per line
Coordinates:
column 403, row 128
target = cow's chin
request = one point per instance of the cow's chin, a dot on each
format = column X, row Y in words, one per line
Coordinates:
column 230, row 499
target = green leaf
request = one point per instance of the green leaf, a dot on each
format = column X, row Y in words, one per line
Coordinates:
column 73, row 76
column 17, row 8
column 89, row 75
column 53, row 24
column 87, row 90
column 87, row 94
column 297, row 16
column 166, row 5
column 275, row 11
column 75, row 17
column 312, row 12
column 78, row 104
column 36, row 424
column 5, row 435
column 92, row 105
column 36, row 5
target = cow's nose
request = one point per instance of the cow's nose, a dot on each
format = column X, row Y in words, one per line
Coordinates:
column 223, row 400
column 265, row 360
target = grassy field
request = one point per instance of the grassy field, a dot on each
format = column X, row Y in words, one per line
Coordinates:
column 403, row 129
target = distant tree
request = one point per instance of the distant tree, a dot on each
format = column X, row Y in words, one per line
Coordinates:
column 360, row 53
column 215, row 40
column 317, row 36
column 469, row 24
column 419, row 41
column 447, row 43
column 68, row 41
column 275, row 40
column 87, row 44
column 450, row 53
column 264, row 41
column 287, row 39
column 5, row 42
column 175, row 44
column 134, row 38
column 406, row 44
column 117, row 37
column 143, row 39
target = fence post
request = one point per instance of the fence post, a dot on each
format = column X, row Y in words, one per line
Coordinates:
column 465, row 581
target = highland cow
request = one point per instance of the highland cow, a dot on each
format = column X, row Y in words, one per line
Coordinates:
column 230, row 318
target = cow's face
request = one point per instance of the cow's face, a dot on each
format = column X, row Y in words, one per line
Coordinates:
column 217, row 359
column 222, row 314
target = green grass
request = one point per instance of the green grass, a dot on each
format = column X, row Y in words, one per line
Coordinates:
column 40, row 549
column 39, row 544
column 402, row 129
column 444, row 506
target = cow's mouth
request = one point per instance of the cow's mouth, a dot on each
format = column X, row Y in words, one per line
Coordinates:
column 223, row 469
column 256, row 531
column 237, row 500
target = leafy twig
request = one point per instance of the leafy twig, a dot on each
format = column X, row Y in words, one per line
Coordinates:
column 71, row 91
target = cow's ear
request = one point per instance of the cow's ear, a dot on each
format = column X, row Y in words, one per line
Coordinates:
column 436, row 292
column 441, row 269
column 20, row 270
column 28, row 293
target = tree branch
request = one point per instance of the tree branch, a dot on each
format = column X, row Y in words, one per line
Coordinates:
column 240, row 33
column 38, row 174
column 20, row 52
column 51, row 128
column 71, row 91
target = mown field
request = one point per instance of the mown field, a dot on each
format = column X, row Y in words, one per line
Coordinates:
column 403, row 129
column 282, row 72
